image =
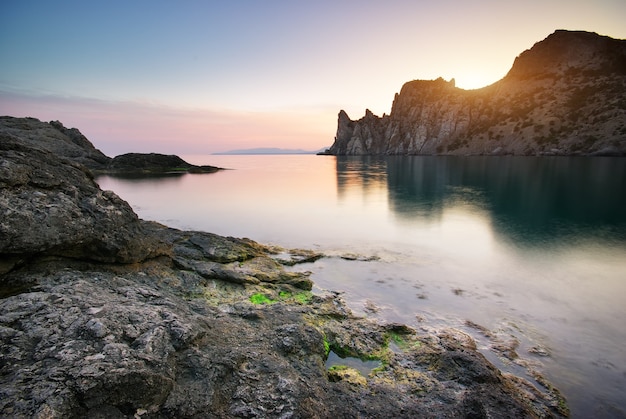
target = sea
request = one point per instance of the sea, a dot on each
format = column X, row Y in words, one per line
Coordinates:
column 526, row 253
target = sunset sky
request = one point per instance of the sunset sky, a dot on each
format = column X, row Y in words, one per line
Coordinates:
column 197, row 77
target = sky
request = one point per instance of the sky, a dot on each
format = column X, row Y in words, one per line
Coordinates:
column 198, row 77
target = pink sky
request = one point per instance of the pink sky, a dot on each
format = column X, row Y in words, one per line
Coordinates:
column 122, row 127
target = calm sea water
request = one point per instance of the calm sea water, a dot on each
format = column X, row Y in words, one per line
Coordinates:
column 533, row 249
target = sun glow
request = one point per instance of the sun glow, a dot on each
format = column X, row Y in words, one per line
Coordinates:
column 475, row 80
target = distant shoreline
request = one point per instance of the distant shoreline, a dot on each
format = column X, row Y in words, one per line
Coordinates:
column 266, row 150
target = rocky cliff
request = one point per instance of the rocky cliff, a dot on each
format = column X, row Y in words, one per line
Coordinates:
column 103, row 315
column 55, row 138
column 564, row 96
column 72, row 144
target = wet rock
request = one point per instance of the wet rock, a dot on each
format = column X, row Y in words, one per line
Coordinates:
column 360, row 258
column 294, row 256
column 370, row 307
column 539, row 350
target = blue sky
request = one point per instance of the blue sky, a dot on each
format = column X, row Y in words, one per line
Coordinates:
column 204, row 76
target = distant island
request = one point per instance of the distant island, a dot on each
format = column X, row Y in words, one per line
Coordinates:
column 564, row 96
column 268, row 150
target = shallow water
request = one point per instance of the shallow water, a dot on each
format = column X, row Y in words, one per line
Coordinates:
column 533, row 249
column 364, row 367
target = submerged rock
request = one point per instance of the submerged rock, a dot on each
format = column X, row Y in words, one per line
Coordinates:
column 106, row 315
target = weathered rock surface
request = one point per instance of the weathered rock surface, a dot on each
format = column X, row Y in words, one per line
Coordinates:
column 105, row 315
column 54, row 137
column 564, row 96
column 50, row 206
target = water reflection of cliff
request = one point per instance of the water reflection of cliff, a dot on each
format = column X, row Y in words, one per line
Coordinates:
column 528, row 198
column 164, row 178
column 367, row 173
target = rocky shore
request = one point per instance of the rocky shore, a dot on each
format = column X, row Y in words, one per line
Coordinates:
column 104, row 315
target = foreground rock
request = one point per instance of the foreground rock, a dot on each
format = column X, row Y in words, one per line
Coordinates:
column 52, row 207
column 564, row 96
column 118, row 317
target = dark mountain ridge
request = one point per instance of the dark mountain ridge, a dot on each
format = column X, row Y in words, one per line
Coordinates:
column 564, row 96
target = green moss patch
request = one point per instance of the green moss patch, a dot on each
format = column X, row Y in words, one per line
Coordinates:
column 260, row 298
column 338, row 368
column 303, row 297
column 326, row 347
column 401, row 341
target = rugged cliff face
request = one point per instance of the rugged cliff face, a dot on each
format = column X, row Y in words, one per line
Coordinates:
column 564, row 96
column 55, row 138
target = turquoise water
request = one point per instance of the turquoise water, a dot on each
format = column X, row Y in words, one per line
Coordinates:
column 532, row 249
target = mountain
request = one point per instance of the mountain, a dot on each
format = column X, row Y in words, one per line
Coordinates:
column 564, row 96
column 266, row 150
